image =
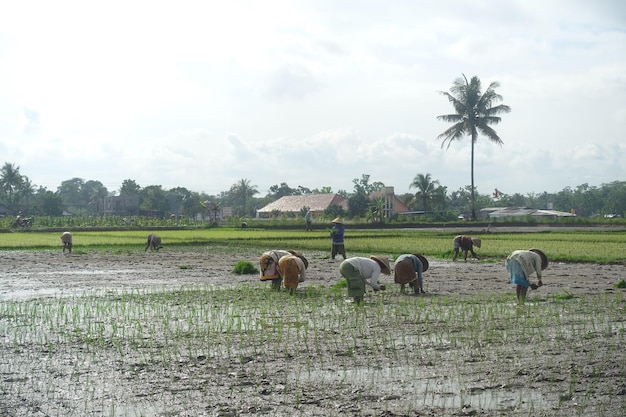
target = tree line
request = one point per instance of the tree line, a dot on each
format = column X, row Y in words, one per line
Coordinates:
column 80, row 197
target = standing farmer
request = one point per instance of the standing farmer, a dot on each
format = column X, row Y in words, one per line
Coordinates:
column 336, row 234
column 521, row 264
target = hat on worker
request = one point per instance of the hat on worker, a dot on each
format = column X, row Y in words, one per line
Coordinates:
column 423, row 260
column 337, row 220
column 383, row 262
column 544, row 258
column 301, row 256
column 476, row 241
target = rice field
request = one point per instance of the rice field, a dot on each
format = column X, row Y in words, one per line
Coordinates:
column 569, row 246
column 242, row 350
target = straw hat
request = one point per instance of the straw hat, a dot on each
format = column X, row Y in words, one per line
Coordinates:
column 338, row 220
column 301, row 256
column 423, row 260
column 476, row 241
column 403, row 272
column 383, row 262
column 544, row 258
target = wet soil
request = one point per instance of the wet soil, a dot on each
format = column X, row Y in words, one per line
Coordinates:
column 27, row 276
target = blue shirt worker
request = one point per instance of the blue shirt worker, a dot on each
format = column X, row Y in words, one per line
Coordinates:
column 408, row 269
column 336, row 234
column 521, row 264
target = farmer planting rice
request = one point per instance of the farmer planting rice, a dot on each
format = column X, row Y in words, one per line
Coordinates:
column 336, row 234
column 521, row 264
column 359, row 271
column 292, row 269
column 268, row 265
column 408, row 269
column 466, row 244
column 154, row 242
column 66, row 239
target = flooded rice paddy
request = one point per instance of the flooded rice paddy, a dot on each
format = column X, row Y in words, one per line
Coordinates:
column 176, row 333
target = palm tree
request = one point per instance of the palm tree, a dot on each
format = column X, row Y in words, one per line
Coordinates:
column 12, row 185
column 429, row 192
column 474, row 114
column 242, row 190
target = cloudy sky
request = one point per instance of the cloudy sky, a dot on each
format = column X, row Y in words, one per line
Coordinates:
column 201, row 94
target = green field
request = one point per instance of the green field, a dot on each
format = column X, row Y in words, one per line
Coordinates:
column 564, row 246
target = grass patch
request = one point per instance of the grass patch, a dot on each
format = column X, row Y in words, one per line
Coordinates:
column 339, row 287
column 245, row 268
column 620, row 284
column 566, row 295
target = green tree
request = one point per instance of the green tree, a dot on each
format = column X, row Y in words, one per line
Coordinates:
column 178, row 198
column 363, row 185
column 375, row 211
column 358, row 204
column 212, row 208
column 475, row 113
column 564, row 200
column 323, row 190
column 615, row 201
column 14, row 187
column 154, row 200
column 71, row 193
column 334, row 210
column 48, row 203
column 93, row 194
column 304, row 190
column 282, row 190
column 129, row 188
column 429, row 193
column 242, row 192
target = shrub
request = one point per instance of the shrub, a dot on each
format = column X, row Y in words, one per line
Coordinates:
column 245, row 267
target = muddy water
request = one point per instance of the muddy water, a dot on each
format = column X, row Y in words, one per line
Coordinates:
column 178, row 355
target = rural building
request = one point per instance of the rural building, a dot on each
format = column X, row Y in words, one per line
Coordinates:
column 292, row 204
column 317, row 203
column 512, row 212
column 391, row 203
column 121, row 206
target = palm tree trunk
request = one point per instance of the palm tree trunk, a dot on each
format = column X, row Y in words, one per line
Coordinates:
column 473, row 196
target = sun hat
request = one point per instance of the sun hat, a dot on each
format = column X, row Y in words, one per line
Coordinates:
column 383, row 262
column 544, row 258
column 403, row 272
column 301, row 256
column 476, row 241
column 338, row 220
column 423, row 260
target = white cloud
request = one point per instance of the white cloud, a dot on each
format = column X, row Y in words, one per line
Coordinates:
column 202, row 94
